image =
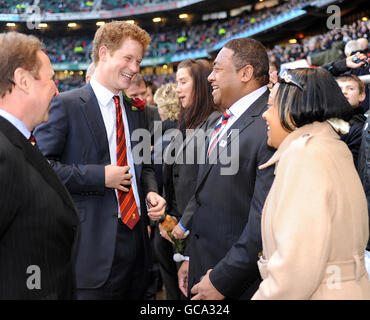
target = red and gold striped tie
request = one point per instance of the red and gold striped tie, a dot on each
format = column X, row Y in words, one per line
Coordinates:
column 127, row 204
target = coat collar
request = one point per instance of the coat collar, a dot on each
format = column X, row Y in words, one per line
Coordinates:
column 302, row 135
column 36, row 159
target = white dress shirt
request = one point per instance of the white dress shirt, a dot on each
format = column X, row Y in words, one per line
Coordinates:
column 108, row 111
column 238, row 108
column 16, row 123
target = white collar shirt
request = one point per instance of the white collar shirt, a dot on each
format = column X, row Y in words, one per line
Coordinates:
column 108, row 111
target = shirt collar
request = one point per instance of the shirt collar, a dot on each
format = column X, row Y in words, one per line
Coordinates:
column 16, row 123
column 103, row 95
column 240, row 106
column 304, row 133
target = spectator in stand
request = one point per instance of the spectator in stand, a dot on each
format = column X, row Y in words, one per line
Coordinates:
column 89, row 72
column 138, row 90
column 151, row 88
column 354, row 91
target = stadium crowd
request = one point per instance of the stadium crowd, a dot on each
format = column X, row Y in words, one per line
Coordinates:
column 66, row 6
column 77, row 49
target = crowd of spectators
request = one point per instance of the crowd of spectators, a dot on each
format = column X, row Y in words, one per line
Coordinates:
column 50, row 6
column 66, row 6
column 310, row 46
column 119, row 4
column 169, row 42
column 279, row 54
column 68, row 49
column 205, row 35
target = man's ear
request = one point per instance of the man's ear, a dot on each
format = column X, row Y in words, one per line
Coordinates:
column 103, row 53
column 22, row 79
column 362, row 97
column 246, row 73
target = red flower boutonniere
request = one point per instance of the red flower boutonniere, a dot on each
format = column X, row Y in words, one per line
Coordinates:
column 136, row 104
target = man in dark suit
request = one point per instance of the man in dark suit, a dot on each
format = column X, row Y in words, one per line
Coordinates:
column 225, row 236
column 138, row 89
column 38, row 220
column 88, row 141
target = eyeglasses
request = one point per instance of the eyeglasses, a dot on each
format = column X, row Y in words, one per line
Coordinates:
column 287, row 77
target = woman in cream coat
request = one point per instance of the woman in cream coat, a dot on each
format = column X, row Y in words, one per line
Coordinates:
column 315, row 220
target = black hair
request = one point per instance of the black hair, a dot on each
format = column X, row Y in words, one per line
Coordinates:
column 320, row 99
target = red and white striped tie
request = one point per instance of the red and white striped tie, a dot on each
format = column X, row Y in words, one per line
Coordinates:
column 218, row 129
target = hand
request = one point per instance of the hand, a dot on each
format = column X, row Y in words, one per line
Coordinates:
column 149, row 231
column 118, row 177
column 204, row 290
column 178, row 233
column 352, row 65
column 182, row 276
column 164, row 233
column 156, row 205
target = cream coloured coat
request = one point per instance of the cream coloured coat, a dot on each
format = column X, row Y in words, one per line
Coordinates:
column 314, row 221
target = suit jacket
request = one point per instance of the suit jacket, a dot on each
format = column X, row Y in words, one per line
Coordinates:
column 38, row 223
column 316, row 198
column 180, row 177
column 151, row 115
column 75, row 141
column 225, row 234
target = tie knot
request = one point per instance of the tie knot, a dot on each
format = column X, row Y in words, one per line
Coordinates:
column 116, row 100
column 226, row 114
column 32, row 139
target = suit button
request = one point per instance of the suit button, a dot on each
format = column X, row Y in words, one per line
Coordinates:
column 196, row 236
column 198, row 203
column 115, row 215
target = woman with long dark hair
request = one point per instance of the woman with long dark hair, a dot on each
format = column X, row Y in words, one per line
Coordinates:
column 180, row 168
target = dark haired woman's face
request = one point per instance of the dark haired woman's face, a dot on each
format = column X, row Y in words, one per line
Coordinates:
column 184, row 87
column 275, row 131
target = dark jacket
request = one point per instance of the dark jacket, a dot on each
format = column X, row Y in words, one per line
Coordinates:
column 364, row 165
column 354, row 136
column 38, row 223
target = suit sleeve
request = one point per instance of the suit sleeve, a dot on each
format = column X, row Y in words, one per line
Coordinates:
column 238, row 270
column 301, row 229
column 51, row 139
column 148, row 178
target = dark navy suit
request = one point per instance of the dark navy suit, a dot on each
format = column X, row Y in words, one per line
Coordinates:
column 226, row 226
column 75, row 141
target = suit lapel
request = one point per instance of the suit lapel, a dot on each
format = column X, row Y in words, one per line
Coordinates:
column 36, row 159
column 243, row 122
column 211, row 119
column 90, row 107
